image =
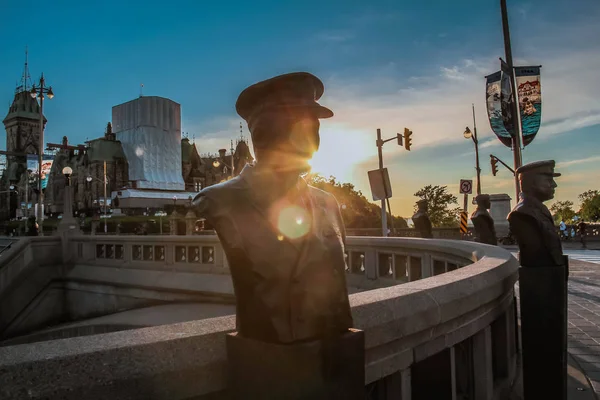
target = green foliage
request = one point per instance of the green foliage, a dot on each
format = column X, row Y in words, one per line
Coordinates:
column 590, row 205
column 356, row 210
column 439, row 202
column 562, row 211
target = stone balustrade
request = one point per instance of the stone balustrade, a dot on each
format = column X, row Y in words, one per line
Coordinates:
column 438, row 316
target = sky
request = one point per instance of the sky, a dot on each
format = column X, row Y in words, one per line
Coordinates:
column 385, row 64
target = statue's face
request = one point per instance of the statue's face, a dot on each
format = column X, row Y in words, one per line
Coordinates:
column 543, row 187
column 293, row 143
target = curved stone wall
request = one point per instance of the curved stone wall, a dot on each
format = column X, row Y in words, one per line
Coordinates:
column 444, row 336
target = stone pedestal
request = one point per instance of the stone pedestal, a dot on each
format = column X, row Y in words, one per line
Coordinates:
column 173, row 223
column 190, row 222
column 543, row 293
column 315, row 370
column 499, row 210
column 68, row 222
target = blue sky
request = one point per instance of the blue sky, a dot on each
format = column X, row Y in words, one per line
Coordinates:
column 385, row 64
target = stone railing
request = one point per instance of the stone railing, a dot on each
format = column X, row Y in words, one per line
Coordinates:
column 448, row 336
column 438, row 233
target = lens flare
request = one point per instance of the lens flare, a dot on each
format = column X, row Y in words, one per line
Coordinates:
column 293, row 222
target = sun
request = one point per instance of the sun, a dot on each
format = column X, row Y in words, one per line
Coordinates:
column 340, row 151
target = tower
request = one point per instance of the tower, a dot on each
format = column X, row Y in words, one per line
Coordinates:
column 22, row 125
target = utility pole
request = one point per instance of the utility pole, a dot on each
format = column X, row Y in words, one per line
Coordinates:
column 476, row 139
column 41, row 92
column 516, row 134
column 105, row 225
column 383, row 210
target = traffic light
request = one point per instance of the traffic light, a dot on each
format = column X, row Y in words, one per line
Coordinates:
column 399, row 136
column 494, row 162
column 407, row 138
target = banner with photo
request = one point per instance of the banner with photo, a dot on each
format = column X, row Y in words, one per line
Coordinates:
column 495, row 108
column 530, row 101
column 32, row 165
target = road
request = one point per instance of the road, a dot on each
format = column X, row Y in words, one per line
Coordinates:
column 592, row 256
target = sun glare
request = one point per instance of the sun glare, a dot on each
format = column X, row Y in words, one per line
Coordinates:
column 340, row 152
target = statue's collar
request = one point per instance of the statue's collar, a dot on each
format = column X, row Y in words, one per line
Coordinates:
column 268, row 185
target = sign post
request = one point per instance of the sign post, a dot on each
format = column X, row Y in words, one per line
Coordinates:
column 466, row 188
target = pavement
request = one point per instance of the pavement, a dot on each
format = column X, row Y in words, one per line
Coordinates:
column 583, row 331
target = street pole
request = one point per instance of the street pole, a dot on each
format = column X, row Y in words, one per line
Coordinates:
column 40, row 201
column 105, row 227
column 476, row 140
column 42, row 93
column 516, row 134
column 383, row 210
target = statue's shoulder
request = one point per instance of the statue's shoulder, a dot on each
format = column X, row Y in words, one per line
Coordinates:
column 323, row 197
column 526, row 209
column 220, row 197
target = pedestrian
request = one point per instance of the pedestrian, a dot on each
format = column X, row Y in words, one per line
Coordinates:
column 581, row 227
column 563, row 229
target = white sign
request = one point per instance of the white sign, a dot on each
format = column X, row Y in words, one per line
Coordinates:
column 379, row 179
column 466, row 186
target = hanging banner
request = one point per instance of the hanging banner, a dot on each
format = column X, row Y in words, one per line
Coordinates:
column 507, row 99
column 530, row 101
column 494, row 108
column 32, row 165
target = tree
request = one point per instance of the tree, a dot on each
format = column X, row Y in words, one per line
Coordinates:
column 438, row 203
column 590, row 205
column 562, row 211
column 356, row 210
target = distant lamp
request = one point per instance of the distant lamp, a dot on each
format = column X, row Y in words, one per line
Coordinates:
column 67, row 171
column 216, row 163
column 50, row 93
column 468, row 134
column 33, row 92
column 89, row 178
column 12, row 187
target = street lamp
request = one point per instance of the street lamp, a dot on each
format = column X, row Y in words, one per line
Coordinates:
column 41, row 91
column 473, row 135
column 89, row 178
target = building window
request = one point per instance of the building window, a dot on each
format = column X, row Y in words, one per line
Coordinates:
column 197, row 186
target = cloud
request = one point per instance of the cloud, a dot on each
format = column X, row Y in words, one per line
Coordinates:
column 577, row 162
column 334, row 36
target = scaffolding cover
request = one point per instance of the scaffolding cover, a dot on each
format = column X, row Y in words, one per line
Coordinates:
column 149, row 129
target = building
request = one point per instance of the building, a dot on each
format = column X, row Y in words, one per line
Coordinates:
column 142, row 154
column 22, row 125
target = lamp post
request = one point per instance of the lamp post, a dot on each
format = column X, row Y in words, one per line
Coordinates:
column 104, row 181
column 473, row 135
column 41, row 91
column 68, row 222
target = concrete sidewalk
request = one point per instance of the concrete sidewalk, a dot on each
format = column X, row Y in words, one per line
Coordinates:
column 583, row 333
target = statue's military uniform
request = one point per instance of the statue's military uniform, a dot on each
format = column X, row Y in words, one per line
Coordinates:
column 421, row 220
column 284, row 241
column 292, row 289
column 533, row 226
column 484, row 226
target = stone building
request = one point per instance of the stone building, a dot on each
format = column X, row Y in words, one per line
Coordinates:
column 88, row 161
column 22, row 125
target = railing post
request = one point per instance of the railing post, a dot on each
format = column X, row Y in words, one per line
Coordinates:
column 371, row 264
column 406, row 384
column 483, row 380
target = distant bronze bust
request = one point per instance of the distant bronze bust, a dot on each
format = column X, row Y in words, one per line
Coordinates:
column 531, row 222
column 483, row 222
column 284, row 240
column 421, row 220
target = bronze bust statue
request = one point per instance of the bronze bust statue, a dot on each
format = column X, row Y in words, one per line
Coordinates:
column 531, row 222
column 284, row 240
column 482, row 221
column 421, row 220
